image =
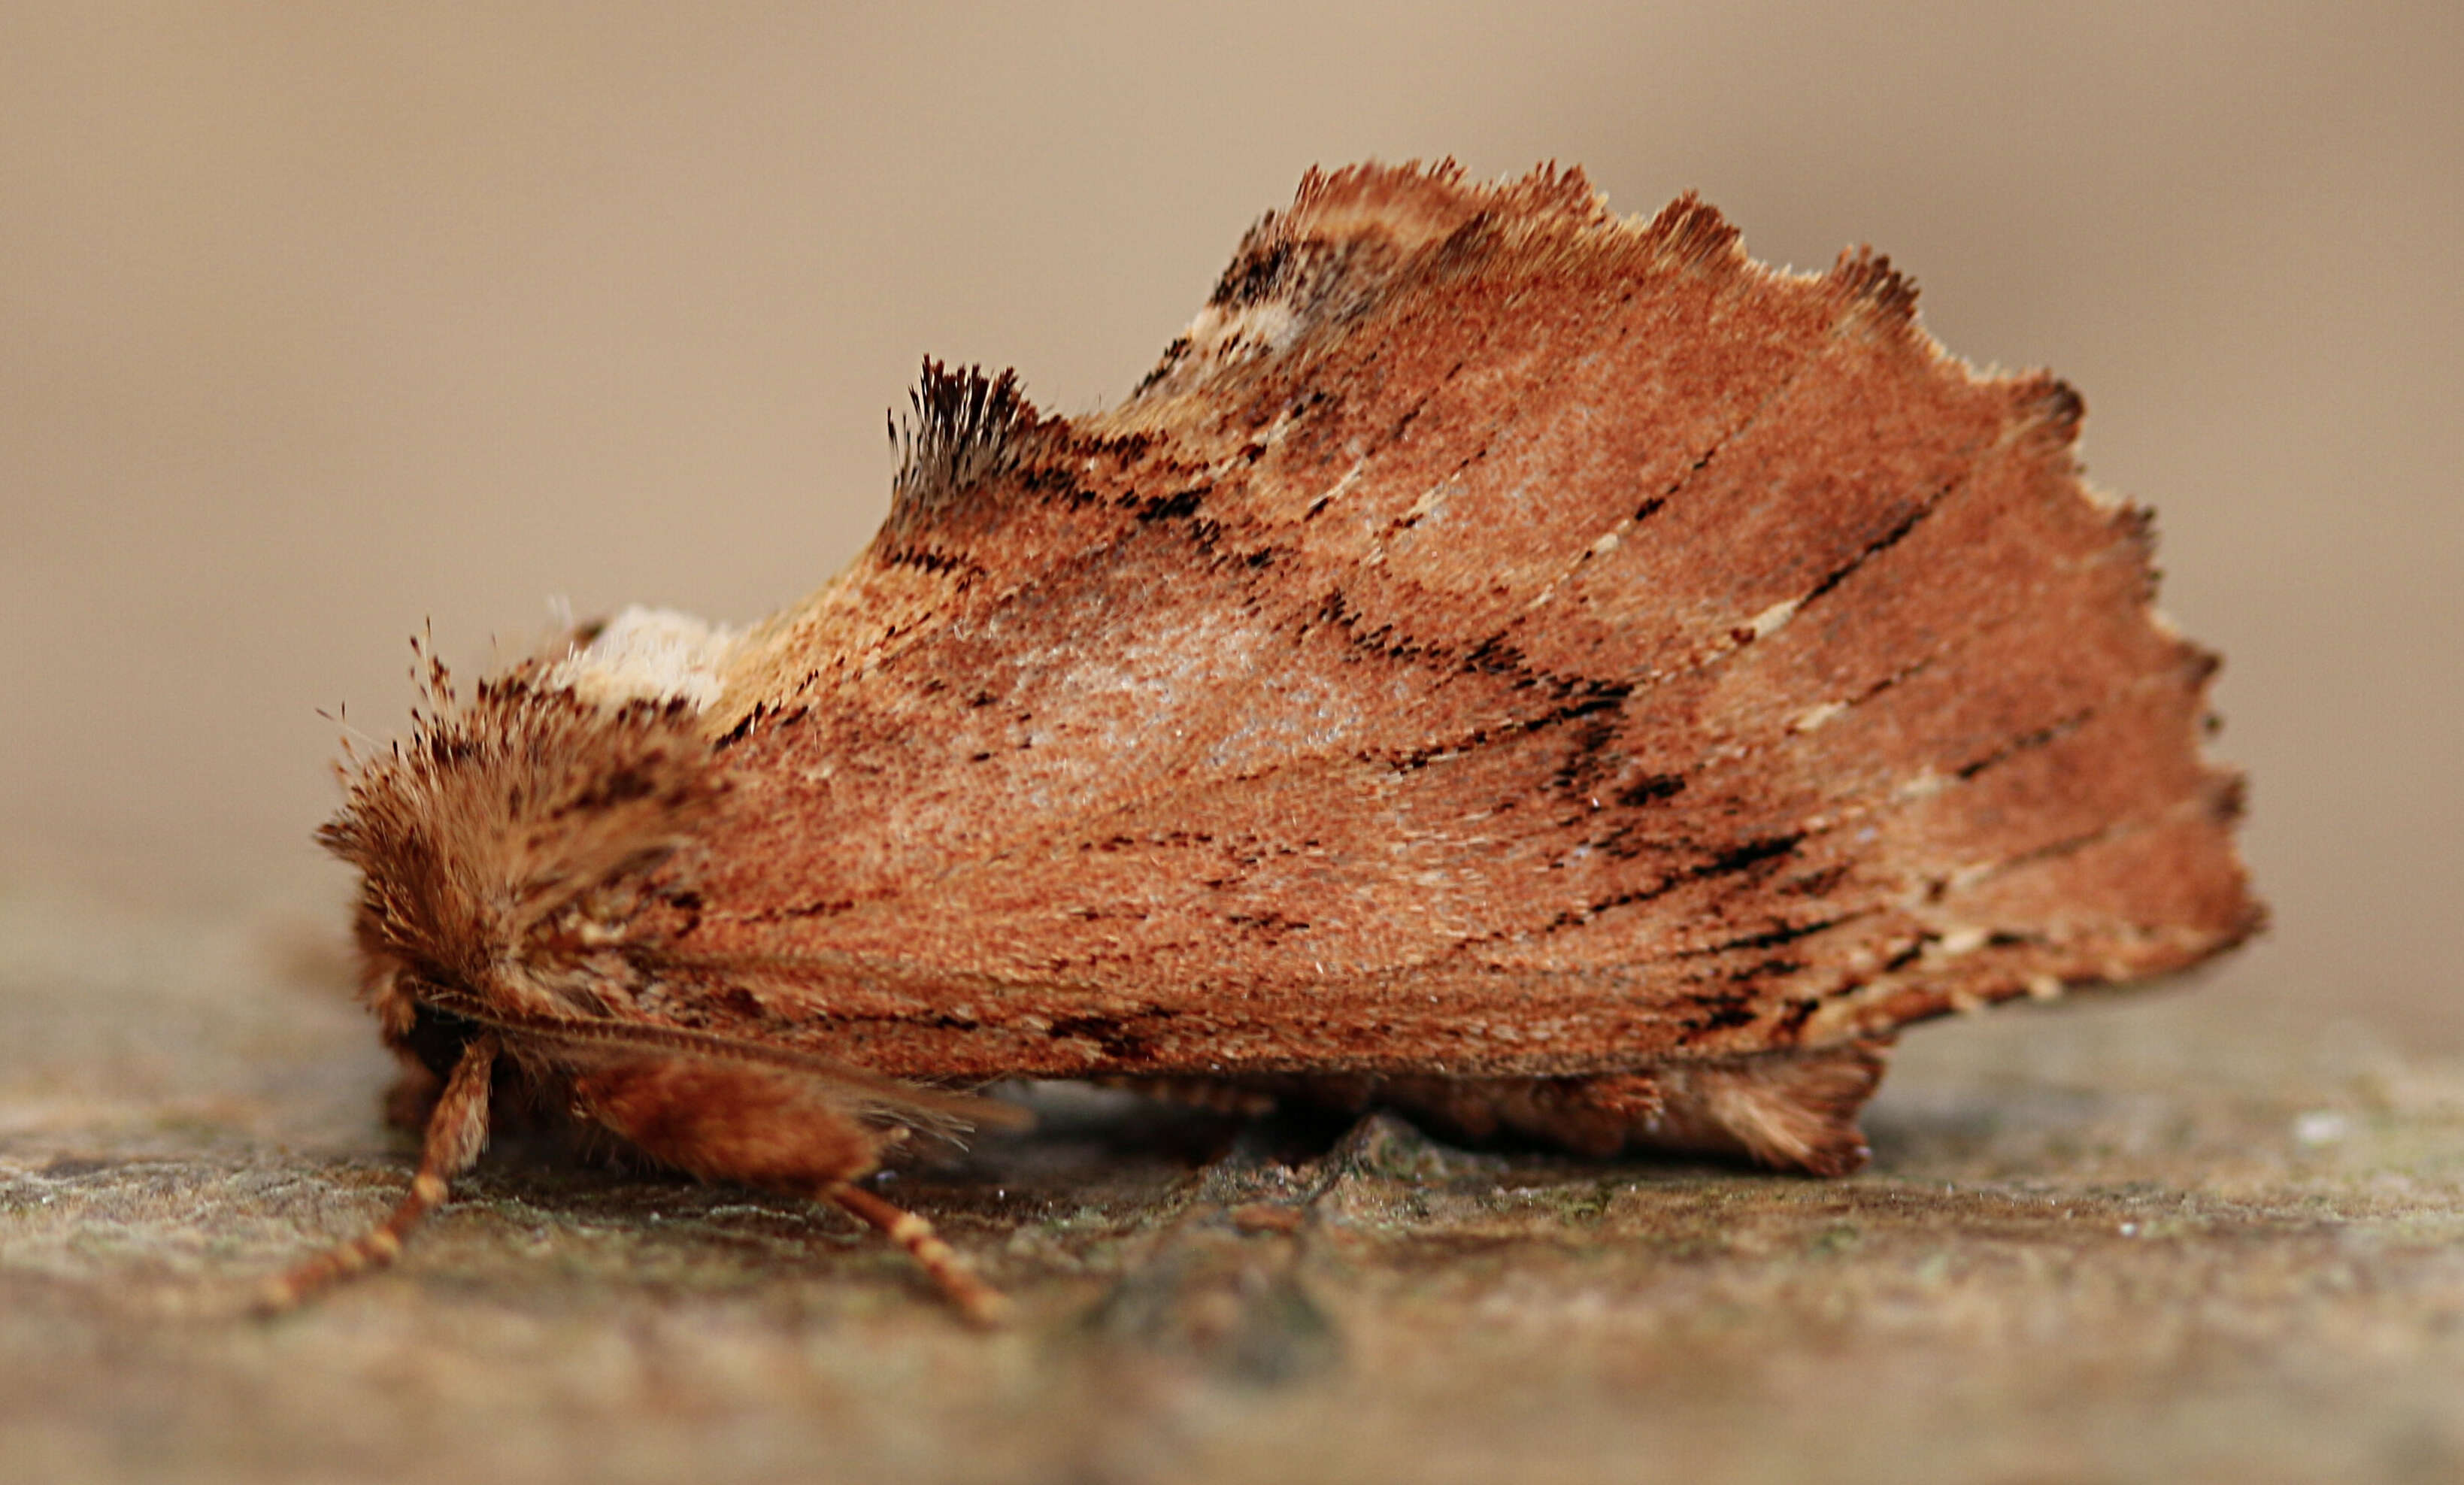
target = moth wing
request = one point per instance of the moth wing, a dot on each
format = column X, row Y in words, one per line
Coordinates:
column 1499, row 634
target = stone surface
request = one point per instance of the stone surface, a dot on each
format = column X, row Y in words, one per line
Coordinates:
column 2142, row 1240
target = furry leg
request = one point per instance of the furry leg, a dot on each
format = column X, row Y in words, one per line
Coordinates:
column 457, row 1131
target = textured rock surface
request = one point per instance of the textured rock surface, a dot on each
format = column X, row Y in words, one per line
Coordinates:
column 2142, row 1241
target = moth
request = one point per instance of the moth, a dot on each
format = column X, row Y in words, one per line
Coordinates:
column 1535, row 669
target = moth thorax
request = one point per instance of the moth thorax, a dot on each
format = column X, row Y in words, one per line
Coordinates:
column 649, row 654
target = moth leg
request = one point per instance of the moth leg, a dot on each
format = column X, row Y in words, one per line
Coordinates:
column 977, row 1301
column 781, row 1132
column 457, row 1131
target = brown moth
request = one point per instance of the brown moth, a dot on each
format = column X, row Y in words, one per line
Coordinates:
column 1536, row 669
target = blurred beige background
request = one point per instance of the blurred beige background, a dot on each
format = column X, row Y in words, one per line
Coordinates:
column 321, row 322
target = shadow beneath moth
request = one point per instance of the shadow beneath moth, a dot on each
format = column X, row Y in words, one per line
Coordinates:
column 1535, row 669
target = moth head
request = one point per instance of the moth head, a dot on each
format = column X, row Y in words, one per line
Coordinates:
column 502, row 844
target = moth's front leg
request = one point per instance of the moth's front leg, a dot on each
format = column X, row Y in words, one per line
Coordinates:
column 457, row 1131
column 778, row 1130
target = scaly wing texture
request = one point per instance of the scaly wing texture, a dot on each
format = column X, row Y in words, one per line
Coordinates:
column 1499, row 637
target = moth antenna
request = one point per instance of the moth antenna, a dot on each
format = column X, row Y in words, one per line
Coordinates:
column 456, row 1133
column 931, row 1106
column 979, row 1301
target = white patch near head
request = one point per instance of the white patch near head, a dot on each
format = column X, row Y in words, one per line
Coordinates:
column 649, row 654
